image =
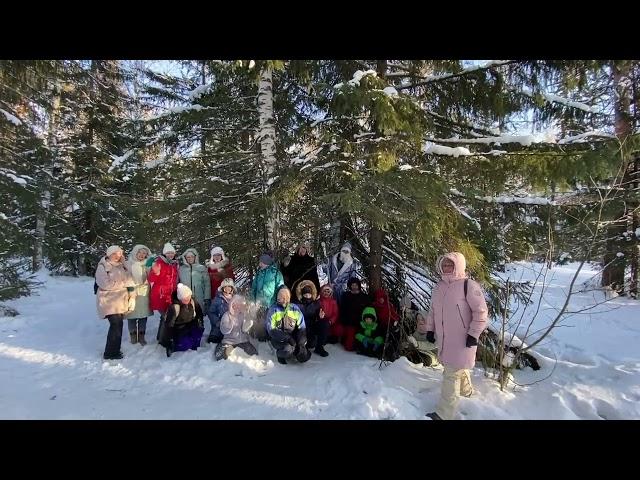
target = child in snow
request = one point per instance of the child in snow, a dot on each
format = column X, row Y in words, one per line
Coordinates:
column 330, row 312
column 285, row 326
column 184, row 324
column 353, row 303
column 368, row 338
column 235, row 326
column 317, row 328
column 455, row 321
column 425, row 351
column 219, row 307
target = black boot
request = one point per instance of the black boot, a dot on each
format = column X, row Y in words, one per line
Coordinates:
column 433, row 416
column 115, row 356
column 282, row 360
column 321, row 351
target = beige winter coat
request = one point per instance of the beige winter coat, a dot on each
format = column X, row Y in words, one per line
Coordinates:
column 112, row 297
column 139, row 272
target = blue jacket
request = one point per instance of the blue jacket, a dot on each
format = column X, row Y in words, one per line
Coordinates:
column 217, row 309
column 265, row 285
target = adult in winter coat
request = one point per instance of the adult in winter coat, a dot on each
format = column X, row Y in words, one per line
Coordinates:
column 329, row 310
column 341, row 269
column 264, row 290
column 424, row 351
column 114, row 298
column 138, row 317
column 353, row 303
column 219, row 268
column 285, row 326
column 455, row 321
column 388, row 319
column 235, row 326
column 163, row 278
column 301, row 267
column 369, row 339
column 184, row 324
column 317, row 328
column 219, row 307
column 194, row 275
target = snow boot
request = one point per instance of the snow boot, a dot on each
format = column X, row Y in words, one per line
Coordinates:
column 116, row 356
column 282, row 360
column 433, row 416
column 134, row 337
column 321, row 351
column 141, row 339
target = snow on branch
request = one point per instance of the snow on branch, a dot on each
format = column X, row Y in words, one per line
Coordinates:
column 435, row 149
column 16, row 179
column 11, row 118
column 465, row 214
column 528, row 200
column 525, row 140
column 552, row 98
column 117, row 161
column 582, row 136
column 448, row 76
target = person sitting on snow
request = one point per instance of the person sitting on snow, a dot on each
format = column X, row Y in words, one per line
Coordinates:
column 235, row 327
column 368, row 339
column 317, row 328
column 184, row 324
column 455, row 321
column 285, row 326
column 353, row 303
column 424, row 351
column 219, row 307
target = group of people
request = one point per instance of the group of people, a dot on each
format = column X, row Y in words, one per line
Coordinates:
column 287, row 307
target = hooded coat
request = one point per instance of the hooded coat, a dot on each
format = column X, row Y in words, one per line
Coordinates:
column 452, row 316
column 218, row 271
column 113, row 280
column 139, row 272
column 301, row 267
column 340, row 271
column 265, row 285
column 329, row 306
column 195, row 277
column 163, row 284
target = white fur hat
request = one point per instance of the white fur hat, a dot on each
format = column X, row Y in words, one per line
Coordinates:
column 113, row 249
column 183, row 291
column 168, row 248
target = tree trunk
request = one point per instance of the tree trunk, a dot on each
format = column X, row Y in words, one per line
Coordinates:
column 613, row 274
column 376, row 235
column 633, row 205
column 45, row 193
column 267, row 140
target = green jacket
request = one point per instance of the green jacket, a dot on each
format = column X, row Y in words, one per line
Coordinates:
column 369, row 330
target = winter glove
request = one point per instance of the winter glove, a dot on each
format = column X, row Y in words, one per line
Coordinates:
column 292, row 341
column 471, row 341
column 431, row 337
column 412, row 341
column 279, row 335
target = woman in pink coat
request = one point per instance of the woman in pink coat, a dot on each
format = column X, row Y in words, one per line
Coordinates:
column 456, row 321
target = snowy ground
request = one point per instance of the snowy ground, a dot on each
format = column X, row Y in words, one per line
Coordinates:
column 51, row 368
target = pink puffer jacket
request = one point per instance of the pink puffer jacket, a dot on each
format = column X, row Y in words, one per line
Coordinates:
column 452, row 317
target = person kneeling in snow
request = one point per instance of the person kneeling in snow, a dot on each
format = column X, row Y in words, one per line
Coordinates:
column 424, row 351
column 285, row 326
column 184, row 325
column 368, row 341
column 456, row 321
column 235, row 326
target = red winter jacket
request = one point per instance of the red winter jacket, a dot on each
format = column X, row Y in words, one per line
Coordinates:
column 218, row 272
column 384, row 309
column 163, row 284
column 330, row 308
